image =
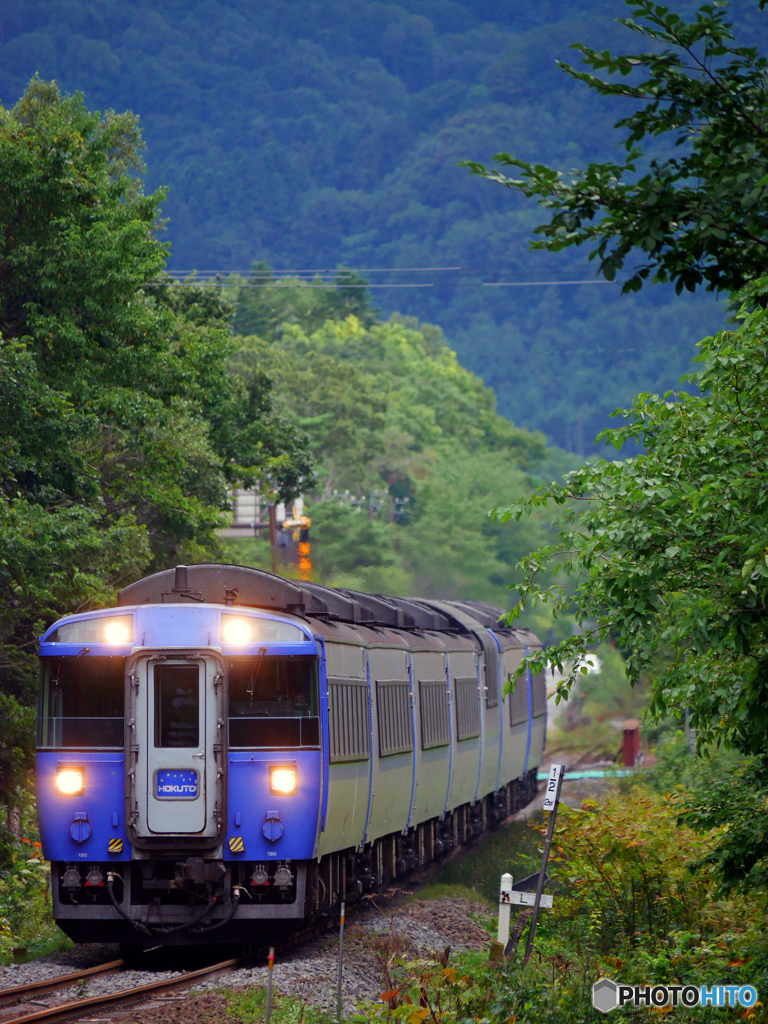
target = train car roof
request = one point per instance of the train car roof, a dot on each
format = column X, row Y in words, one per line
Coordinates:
column 375, row 614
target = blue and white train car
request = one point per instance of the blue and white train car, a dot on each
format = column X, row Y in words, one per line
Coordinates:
column 227, row 753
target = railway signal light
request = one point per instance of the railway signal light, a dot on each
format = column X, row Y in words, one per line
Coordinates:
column 300, row 524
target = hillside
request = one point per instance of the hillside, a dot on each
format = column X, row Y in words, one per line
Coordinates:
column 410, row 452
column 308, row 135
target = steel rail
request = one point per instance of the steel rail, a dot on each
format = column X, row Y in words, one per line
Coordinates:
column 64, row 1010
column 57, row 981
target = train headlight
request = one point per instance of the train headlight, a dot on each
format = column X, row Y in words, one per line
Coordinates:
column 70, row 781
column 115, row 630
column 237, row 630
column 284, row 781
column 118, row 631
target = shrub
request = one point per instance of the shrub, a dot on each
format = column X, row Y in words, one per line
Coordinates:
column 632, row 877
column 24, row 903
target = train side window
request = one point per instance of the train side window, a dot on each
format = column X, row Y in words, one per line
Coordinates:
column 491, row 670
column 177, row 706
column 273, row 702
column 518, row 702
column 348, row 719
column 539, row 695
column 81, row 703
column 393, row 703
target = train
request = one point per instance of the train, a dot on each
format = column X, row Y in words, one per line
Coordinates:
column 227, row 754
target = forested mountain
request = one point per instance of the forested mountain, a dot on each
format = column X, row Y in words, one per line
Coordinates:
column 308, row 135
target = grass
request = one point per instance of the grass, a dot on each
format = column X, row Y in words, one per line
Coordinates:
column 447, row 890
column 50, row 939
column 250, row 1007
column 514, row 849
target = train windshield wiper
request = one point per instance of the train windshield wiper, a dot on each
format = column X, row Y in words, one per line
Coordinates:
column 256, row 672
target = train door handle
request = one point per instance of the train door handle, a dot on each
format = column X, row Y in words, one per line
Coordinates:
column 201, row 754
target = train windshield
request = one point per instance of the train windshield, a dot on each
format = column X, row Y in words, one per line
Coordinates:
column 81, row 703
column 273, row 702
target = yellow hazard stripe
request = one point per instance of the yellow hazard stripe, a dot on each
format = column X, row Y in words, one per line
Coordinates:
column 236, row 845
column 115, row 845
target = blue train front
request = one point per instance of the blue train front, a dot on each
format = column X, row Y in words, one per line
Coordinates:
column 226, row 753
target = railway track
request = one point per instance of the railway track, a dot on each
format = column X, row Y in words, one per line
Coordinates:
column 25, row 995
column 81, row 1008
column 49, row 985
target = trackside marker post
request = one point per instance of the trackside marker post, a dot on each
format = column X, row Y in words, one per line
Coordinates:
column 339, row 997
column 505, row 907
column 551, row 800
column 516, row 894
column 554, row 783
column 528, row 899
column 270, row 966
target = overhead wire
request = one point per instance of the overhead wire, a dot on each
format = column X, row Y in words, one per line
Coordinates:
column 313, row 278
column 331, row 270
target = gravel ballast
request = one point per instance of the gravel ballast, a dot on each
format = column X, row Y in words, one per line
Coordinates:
column 78, row 958
column 419, row 928
column 308, row 972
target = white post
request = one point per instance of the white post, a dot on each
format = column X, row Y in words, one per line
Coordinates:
column 505, row 908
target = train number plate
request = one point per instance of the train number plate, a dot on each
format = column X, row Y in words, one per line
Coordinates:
column 176, row 783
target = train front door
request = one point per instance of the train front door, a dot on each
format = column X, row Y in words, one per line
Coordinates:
column 175, row 745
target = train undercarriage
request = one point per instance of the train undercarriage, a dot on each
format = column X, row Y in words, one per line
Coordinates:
column 201, row 900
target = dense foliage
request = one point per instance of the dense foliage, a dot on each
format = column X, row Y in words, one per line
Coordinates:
column 25, row 908
column 637, row 896
column 410, row 452
column 666, row 552
column 298, row 134
column 121, row 427
column 668, row 556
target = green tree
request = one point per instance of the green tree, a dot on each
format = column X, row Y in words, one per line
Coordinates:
column 359, row 550
column 146, row 374
column 698, row 216
column 338, row 404
column 666, row 554
column 392, row 415
column 667, row 551
column 266, row 305
column 120, row 426
column 380, row 399
column 451, row 546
